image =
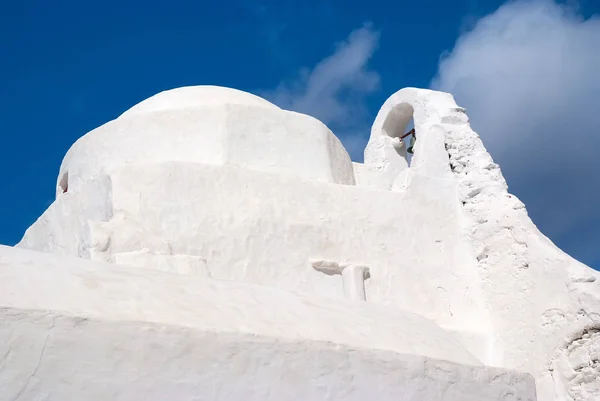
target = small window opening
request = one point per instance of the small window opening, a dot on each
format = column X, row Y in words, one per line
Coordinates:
column 64, row 182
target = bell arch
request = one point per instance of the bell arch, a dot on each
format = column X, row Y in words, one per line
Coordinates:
column 387, row 150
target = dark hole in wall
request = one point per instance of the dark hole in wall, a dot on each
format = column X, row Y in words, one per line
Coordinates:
column 64, row 182
column 449, row 158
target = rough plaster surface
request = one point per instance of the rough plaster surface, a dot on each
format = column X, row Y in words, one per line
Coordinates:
column 63, row 358
column 270, row 231
column 108, row 332
column 225, row 191
column 109, row 292
column 578, row 365
column 228, row 129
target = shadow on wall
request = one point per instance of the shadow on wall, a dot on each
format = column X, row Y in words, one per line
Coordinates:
column 64, row 183
column 409, row 141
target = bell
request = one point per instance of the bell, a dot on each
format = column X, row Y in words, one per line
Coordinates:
column 412, row 144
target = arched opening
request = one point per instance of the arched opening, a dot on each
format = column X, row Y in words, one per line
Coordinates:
column 64, row 182
column 387, row 150
column 398, row 124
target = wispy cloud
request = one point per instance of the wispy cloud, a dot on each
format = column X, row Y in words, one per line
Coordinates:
column 334, row 91
column 529, row 75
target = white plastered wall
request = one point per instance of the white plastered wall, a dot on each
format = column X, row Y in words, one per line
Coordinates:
column 79, row 330
column 229, row 129
column 236, row 222
column 265, row 228
column 543, row 306
column 443, row 238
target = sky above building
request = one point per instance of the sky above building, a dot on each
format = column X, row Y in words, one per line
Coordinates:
column 528, row 73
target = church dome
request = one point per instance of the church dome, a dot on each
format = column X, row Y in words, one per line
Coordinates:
column 197, row 96
column 209, row 125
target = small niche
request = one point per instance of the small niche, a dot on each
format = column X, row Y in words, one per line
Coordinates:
column 64, row 182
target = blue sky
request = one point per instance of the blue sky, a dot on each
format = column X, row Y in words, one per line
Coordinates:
column 527, row 71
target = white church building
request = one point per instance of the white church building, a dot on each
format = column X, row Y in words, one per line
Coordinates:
column 208, row 245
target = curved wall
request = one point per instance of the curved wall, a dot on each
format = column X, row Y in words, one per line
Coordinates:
column 197, row 96
column 246, row 131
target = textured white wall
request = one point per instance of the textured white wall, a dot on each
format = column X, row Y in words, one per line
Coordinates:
column 443, row 238
column 264, row 229
column 78, row 330
column 238, row 132
column 72, row 286
column 73, row 359
column 544, row 307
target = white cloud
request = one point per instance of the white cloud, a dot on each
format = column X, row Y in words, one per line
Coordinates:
column 529, row 75
column 334, row 91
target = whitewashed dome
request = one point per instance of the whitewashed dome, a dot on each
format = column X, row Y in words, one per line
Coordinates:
column 209, row 125
column 197, row 96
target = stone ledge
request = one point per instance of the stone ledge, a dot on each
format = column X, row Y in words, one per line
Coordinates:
column 76, row 287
